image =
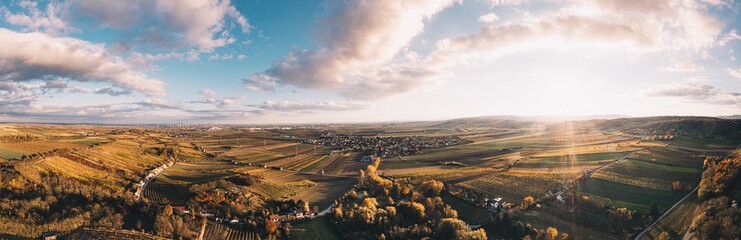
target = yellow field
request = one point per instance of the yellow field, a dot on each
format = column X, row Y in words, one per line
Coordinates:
column 37, row 146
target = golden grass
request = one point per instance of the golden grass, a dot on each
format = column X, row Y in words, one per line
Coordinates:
column 282, row 190
column 37, row 146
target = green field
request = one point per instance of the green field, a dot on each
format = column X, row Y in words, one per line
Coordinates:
column 708, row 143
column 466, row 211
column 648, row 165
column 632, row 197
column 317, row 228
column 5, row 154
column 88, row 142
column 542, row 220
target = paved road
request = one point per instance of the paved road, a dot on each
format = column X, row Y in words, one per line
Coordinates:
column 322, row 213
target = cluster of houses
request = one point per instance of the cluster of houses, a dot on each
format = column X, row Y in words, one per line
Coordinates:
column 295, row 215
column 153, row 173
column 495, row 205
column 386, row 147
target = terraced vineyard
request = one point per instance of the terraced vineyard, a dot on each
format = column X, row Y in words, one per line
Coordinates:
column 514, row 186
column 165, row 193
column 306, row 162
column 218, row 231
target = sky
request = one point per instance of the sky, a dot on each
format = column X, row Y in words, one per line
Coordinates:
column 333, row 61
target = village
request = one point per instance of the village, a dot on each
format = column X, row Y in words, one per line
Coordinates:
column 386, row 147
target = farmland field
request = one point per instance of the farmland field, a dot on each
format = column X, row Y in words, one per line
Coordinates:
column 5, row 154
column 466, row 211
column 317, row 228
column 678, row 221
column 513, row 187
column 220, row 231
column 160, row 192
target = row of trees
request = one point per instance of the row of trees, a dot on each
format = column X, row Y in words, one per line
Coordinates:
column 718, row 219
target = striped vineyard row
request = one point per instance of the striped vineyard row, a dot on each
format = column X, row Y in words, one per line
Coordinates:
column 164, row 194
column 304, row 162
column 218, row 231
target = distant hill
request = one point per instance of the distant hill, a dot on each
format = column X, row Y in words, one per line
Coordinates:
column 484, row 122
column 730, row 117
column 698, row 127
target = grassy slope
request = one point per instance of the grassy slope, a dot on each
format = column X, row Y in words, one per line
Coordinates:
column 317, row 228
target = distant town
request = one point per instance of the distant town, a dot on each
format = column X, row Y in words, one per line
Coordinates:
column 386, row 147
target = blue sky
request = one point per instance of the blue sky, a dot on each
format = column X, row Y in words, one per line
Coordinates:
column 252, row 62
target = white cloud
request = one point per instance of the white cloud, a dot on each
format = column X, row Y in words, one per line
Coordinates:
column 488, row 18
column 146, row 61
column 359, row 37
column 311, row 107
column 699, row 79
column 168, row 23
column 697, row 92
column 260, row 82
column 36, row 56
column 34, row 19
column 496, row 3
column 683, row 67
column 208, row 92
column 728, row 37
column 734, row 72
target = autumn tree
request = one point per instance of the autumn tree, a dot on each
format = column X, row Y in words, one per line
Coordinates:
column 369, row 203
column 431, row 187
column 621, row 216
column 677, row 185
column 526, row 202
column 551, row 233
column 453, row 228
column 270, row 227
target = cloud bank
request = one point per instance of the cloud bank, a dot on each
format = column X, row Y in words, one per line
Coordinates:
column 26, row 57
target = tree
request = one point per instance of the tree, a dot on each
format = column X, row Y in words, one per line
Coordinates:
column 303, row 205
column 526, row 202
column 412, row 211
column 621, row 216
column 653, row 211
column 431, row 187
column 270, row 227
column 369, row 203
column 677, row 185
column 337, row 213
column 163, row 226
column 551, row 233
column 453, row 228
column 665, row 236
column 167, row 211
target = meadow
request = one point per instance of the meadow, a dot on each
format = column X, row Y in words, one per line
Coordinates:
column 317, row 228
